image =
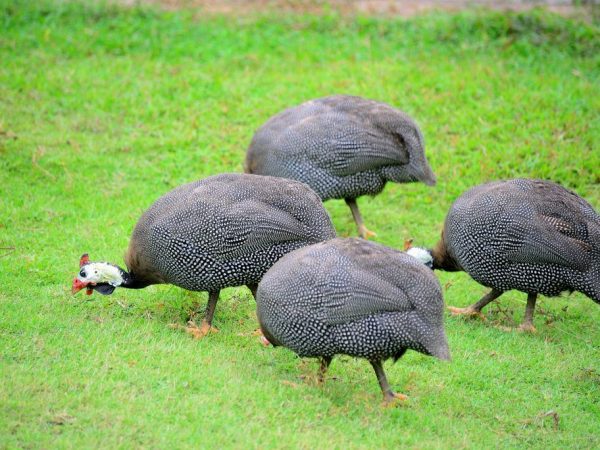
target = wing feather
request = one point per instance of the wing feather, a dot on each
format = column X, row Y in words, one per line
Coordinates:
column 355, row 147
column 364, row 295
column 262, row 226
column 549, row 240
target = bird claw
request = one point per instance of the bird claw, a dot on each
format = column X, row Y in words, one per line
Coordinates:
column 468, row 311
column 198, row 332
column 207, row 328
column 527, row 327
column 393, row 399
column 365, row 233
column 263, row 340
column 523, row 328
column 312, row 380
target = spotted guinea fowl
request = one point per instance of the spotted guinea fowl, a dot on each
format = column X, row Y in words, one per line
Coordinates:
column 343, row 147
column 225, row 230
column 530, row 235
column 353, row 297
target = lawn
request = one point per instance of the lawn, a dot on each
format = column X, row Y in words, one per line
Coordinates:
column 103, row 109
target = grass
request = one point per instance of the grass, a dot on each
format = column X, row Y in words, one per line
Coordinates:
column 104, row 109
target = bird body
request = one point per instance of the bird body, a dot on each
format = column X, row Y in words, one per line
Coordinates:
column 531, row 235
column 534, row 236
column 225, row 230
column 353, row 297
column 341, row 146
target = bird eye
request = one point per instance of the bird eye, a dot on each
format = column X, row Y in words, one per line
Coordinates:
column 82, row 273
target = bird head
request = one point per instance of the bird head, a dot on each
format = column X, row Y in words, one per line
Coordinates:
column 102, row 277
column 422, row 254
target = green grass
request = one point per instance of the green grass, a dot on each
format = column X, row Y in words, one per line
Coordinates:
column 103, row 109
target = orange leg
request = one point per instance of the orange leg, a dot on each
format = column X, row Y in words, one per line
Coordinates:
column 362, row 229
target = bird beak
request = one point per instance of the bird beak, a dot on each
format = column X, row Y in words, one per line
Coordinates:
column 79, row 285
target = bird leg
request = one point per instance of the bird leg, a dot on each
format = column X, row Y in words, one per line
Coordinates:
column 258, row 332
column 475, row 308
column 389, row 396
column 206, row 326
column 527, row 324
column 325, row 361
column 362, row 230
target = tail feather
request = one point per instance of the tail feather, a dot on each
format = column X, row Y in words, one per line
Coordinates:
column 433, row 339
column 439, row 348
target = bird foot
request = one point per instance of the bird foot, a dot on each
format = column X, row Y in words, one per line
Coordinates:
column 198, row 332
column 527, row 327
column 312, row 380
column 263, row 340
column 207, row 328
column 365, row 233
column 468, row 311
column 391, row 399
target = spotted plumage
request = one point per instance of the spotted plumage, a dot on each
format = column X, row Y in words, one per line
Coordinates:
column 530, row 235
column 353, row 297
column 225, row 230
column 341, row 146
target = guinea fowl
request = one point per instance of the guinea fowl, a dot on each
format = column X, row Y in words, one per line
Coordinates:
column 531, row 235
column 226, row 230
column 343, row 147
column 354, row 297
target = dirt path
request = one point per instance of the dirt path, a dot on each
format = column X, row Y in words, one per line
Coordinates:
column 405, row 8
